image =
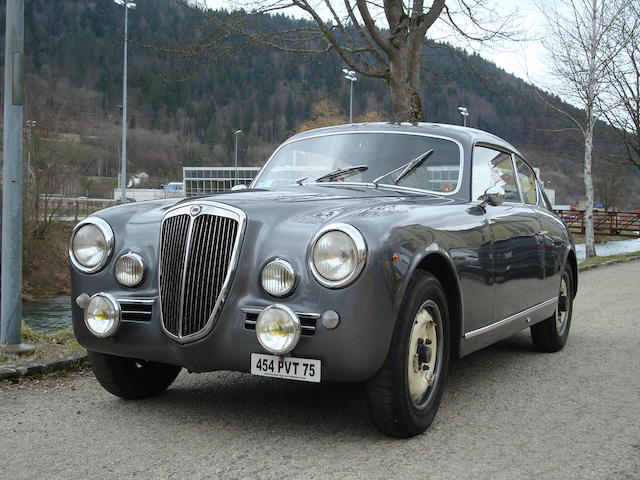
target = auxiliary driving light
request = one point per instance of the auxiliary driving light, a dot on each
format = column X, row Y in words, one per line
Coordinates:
column 278, row 278
column 278, row 329
column 102, row 315
column 130, row 269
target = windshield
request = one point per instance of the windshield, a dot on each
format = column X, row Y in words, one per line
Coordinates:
column 306, row 160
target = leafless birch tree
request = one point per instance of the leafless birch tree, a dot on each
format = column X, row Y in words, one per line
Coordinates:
column 583, row 42
column 623, row 81
column 379, row 39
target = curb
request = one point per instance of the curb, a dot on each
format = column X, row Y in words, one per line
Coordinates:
column 37, row 367
column 609, row 262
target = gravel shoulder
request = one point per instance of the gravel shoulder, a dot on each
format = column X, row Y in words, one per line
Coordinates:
column 508, row 412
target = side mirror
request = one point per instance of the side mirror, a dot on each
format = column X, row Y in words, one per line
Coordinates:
column 493, row 196
column 240, row 186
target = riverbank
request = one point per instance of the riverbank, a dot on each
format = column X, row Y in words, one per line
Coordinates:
column 45, row 271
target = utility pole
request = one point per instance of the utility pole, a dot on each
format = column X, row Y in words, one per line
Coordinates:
column 127, row 4
column 11, row 301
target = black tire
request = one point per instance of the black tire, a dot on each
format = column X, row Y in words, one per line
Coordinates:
column 548, row 335
column 389, row 398
column 130, row 378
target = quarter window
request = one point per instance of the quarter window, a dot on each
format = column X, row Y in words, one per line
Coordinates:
column 527, row 180
column 493, row 168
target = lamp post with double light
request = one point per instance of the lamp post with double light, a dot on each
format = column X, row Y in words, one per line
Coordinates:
column 351, row 76
column 127, row 4
column 465, row 113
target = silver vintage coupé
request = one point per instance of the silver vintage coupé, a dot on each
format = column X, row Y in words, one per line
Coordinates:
column 369, row 253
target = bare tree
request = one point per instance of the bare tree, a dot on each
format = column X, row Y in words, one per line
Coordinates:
column 583, row 42
column 611, row 183
column 623, row 82
column 382, row 40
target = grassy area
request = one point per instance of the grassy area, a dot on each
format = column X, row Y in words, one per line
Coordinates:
column 48, row 345
column 599, row 260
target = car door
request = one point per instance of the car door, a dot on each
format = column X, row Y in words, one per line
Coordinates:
column 516, row 248
column 552, row 233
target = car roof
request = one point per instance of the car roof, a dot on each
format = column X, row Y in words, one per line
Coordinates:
column 464, row 135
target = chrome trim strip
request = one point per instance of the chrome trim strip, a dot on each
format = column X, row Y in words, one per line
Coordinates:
column 258, row 310
column 504, row 321
column 139, row 301
column 417, row 134
column 208, row 208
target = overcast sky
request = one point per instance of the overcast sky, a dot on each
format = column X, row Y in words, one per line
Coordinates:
column 523, row 59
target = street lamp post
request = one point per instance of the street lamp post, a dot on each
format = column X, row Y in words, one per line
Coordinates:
column 31, row 124
column 127, row 4
column 351, row 76
column 235, row 134
column 11, row 284
column 465, row 113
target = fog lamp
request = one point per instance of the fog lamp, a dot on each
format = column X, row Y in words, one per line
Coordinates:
column 102, row 315
column 278, row 329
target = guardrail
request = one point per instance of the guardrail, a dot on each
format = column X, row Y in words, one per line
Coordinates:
column 72, row 209
column 619, row 224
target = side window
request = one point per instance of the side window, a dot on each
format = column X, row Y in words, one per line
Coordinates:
column 493, row 167
column 527, row 180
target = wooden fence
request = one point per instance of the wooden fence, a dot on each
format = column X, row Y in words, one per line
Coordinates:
column 621, row 224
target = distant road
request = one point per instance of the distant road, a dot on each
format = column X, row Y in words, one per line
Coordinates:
column 508, row 413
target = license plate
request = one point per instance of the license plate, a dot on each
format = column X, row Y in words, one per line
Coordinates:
column 304, row 369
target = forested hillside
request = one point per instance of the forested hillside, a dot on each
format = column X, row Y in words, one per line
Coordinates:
column 183, row 114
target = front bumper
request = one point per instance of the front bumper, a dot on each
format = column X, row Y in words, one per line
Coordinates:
column 353, row 351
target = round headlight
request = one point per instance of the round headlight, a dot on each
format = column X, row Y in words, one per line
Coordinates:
column 278, row 278
column 130, row 269
column 102, row 315
column 278, row 329
column 91, row 245
column 338, row 254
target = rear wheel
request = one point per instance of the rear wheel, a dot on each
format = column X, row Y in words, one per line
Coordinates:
column 551, row 334
column 404, row 396
column 131, row 378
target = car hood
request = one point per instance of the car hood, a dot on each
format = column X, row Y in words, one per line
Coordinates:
column 301, row 204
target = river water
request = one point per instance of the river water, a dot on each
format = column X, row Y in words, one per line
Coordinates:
column 47, row 315
column 53, row 313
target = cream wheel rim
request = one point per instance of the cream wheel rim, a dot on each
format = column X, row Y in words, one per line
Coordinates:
column 563, row 305
column 423, row 352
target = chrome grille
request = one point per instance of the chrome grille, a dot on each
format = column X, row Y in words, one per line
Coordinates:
column 197, row 255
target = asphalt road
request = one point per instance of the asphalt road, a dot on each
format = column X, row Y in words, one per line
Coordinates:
column 508, row 413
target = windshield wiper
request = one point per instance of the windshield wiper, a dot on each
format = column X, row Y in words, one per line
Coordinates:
column 407, row 168
column 342, row 172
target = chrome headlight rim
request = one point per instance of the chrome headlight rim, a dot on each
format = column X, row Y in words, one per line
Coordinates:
column 361, row 249
column 289, row 268
column 293, row 343
column 141, row 261
column 109, row 238
column 117, row 320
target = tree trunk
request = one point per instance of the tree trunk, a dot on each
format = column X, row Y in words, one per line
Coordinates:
column 588, row 188
column 404, row 87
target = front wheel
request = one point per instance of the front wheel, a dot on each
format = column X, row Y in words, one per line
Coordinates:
column 551, row 334
column 404, row 396
column 130, row 378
